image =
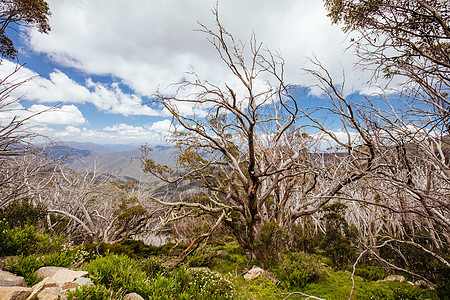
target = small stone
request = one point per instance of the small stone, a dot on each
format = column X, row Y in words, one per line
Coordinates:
column 15, row 293
column 132, row 296
column 9, row 279
column 254, row 273
column 394, row 278
column 423, row 284
column 222, row 253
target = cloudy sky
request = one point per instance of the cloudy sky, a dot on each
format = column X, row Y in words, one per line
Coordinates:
column 104, row 59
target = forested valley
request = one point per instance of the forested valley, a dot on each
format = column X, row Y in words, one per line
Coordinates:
column 257, row 181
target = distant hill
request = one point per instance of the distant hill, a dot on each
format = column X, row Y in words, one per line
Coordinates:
column 100, row 148
column 58, row 152
column 117, row 160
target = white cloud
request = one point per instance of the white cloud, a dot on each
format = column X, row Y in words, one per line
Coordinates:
column 150, row 44
column 162, row 126
column 326, row 142
column 154, row 133
column 112, row 99
column 60, row 88
column 66, row 115
column 44, row 115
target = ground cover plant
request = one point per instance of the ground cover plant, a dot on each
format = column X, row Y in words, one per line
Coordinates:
column 212, row 272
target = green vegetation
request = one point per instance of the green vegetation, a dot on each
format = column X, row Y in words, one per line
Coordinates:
column 22, row 212
column 135, row 249
column 96, row 292
column 212, row 272
column 371, row 273
column 26, row 266
column 26, row 240
column 118, row 273
column 297, row 269
column 150, row 279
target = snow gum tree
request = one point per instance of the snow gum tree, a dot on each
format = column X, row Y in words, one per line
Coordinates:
column 243, row 150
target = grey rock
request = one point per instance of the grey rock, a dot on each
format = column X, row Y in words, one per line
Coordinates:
column 9, row 279
column 15, row 293
column 254, row 273
column 70, row 286
column 400, row 278
column 132, row 296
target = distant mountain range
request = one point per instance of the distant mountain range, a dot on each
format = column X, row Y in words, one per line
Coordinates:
column 101, row 148
column 117, row 160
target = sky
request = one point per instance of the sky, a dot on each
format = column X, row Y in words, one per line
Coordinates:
column 103, row 60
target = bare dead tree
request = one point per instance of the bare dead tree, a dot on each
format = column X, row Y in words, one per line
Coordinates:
column 229, row 150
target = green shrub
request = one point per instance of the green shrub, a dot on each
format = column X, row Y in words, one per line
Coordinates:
column 26, row 240
column 92, row 292
column 22, row 212
column 202, row 283
column 163, row 287
column 134, row 249
column 305, row 238
column 391, row 291
column 298, row 268
column 371, row 273
column 420, row 262
column 211, row 285
column 338, row 238
column 406, row 292
column 223, row 257
column 26, row 266
column 272, row 242
column 202, row 257
column 153, row 267
column 123, row 274
column 260, row 288
column 378, row 293
column 119, row 273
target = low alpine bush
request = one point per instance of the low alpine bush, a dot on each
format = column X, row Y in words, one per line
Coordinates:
column 299, row 268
